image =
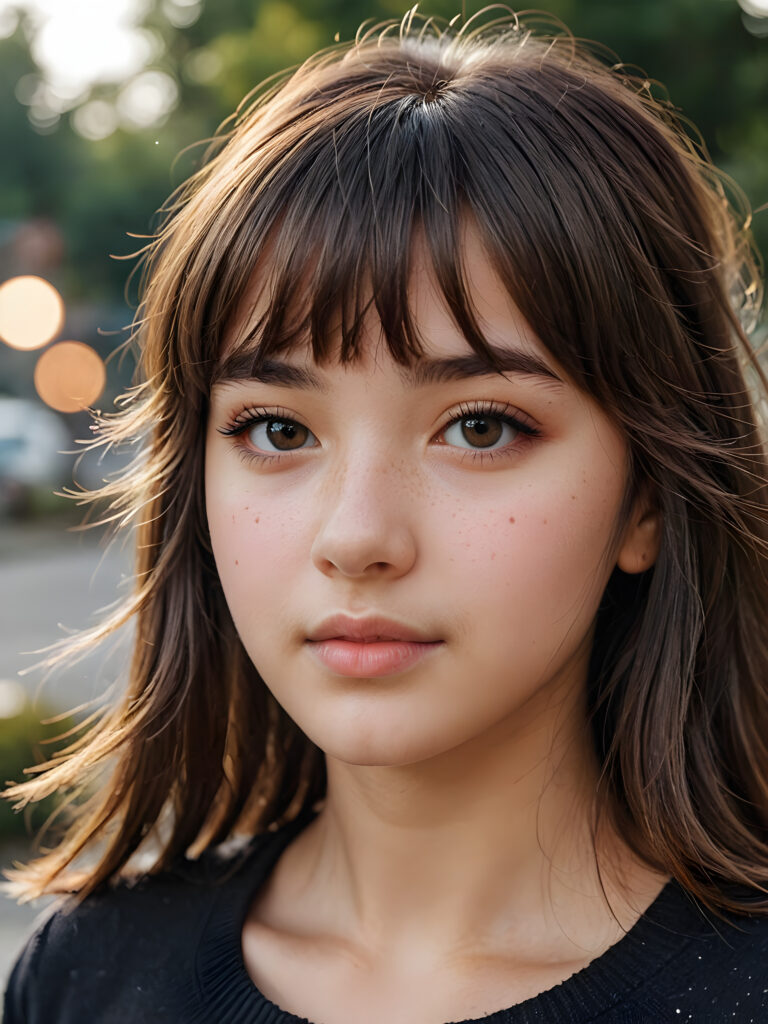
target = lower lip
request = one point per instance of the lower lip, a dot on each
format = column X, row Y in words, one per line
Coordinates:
column 348, row 658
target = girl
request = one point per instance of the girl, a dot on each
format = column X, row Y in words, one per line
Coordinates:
column 451, row 570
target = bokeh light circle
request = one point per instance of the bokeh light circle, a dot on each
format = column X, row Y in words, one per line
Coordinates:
column 31, row 312
column 70, row 376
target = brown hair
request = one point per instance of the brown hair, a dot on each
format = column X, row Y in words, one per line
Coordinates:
column 614, row 235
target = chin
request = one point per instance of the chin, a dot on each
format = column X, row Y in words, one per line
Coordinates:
column 382, row 746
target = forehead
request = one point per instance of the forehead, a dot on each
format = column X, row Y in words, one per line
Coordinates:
column 446, row 354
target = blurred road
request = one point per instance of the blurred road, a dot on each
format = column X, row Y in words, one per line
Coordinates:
column 50, row 576
column 49, row 579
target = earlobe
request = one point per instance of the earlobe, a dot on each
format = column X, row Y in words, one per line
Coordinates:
column 642, row 541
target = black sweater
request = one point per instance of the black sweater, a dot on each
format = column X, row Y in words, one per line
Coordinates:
column 168, row 949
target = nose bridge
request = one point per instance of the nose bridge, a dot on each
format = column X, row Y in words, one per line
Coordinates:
column 364, row 517
column 370, row 471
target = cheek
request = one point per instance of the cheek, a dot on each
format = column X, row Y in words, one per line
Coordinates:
column 540, row 554
column 253, row 544
column 254, row 550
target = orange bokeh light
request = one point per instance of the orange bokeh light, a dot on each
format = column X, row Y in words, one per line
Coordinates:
column 31, row 312
column 70, row 376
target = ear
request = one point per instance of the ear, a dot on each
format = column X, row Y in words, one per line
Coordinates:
column 642, row 536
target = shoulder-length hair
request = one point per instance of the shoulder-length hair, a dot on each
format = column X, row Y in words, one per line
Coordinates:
column 617, row 239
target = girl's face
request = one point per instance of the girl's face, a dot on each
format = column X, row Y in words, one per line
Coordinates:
column 374, row 498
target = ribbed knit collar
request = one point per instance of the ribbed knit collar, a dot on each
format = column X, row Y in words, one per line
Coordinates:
column 225, row 991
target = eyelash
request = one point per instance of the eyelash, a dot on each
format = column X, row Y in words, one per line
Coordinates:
column 252, row 416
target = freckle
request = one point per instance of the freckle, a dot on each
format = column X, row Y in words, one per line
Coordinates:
column 544, row 521
column 256, row 519
column 573, row 497
column 236, row 562
column 511, row 519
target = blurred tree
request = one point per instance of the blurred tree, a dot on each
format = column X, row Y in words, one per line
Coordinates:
column 99, row 189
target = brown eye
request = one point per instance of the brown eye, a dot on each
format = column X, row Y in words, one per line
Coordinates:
column 482, row 430
column 284, row 435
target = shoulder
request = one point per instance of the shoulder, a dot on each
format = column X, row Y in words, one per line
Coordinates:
column 714, row 967
column 147, row 928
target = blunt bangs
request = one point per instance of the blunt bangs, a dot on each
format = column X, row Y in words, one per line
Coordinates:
column 337, row 234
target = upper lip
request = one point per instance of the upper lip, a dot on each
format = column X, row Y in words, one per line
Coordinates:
column 371, row 627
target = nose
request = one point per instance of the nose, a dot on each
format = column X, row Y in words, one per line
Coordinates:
column 367, row 519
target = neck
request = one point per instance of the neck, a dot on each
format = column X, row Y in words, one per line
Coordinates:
column 487, row 847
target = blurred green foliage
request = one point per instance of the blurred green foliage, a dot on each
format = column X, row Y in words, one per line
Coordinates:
column 27, row 738
column 716, row 72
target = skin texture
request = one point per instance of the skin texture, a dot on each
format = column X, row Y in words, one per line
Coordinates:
column 454, row 841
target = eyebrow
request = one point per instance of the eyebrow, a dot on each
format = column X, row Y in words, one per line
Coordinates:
column 243, row 366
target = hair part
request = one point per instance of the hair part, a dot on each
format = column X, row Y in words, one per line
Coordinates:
column 617, row 240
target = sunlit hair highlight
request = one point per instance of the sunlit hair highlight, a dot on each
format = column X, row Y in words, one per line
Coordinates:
column 629, row 255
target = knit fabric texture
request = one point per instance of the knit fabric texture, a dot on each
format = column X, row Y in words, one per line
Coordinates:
column 168, row 949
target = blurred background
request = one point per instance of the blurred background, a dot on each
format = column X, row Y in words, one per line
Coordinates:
column 102, row 104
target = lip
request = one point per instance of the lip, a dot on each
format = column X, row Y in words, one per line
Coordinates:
column 370, row 660
column 369, row 629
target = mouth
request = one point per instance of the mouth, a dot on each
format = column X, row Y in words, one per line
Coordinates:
column 370, row 657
